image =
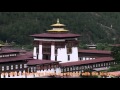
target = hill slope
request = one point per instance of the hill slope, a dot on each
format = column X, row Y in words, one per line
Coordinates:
column 95, row 27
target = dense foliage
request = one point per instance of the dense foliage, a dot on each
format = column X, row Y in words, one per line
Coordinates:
column 116, row 56
column 114, row 68
column 95, row 27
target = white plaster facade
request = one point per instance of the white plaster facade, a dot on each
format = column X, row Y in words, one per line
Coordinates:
column 40, row 53
column 53, row 52
column 34, row 53
column 61, row 52
column 63, row 56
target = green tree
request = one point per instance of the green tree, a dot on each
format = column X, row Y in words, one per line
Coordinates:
column 116, row 54
column 1, row 42
column 115, row 51
column 83, row 46
column 103, row 46
column 96, row 27
column 114, row 68
column 100, row 46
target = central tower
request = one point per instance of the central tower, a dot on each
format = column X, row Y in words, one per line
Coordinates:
column 58, row 44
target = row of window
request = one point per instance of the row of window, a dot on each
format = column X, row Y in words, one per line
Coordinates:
column 72, row 43
column 88, row 66
column 69, row 50
column 48, row 50
column 32, row 69
column 86, row 58
column 44, row 50
column 16, row 67
column 45, row 67
column 8, row 55
column 46, row 45
column 59, row 45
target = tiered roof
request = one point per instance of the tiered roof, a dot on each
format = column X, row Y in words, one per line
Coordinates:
column 58, row 27
column 52, row 35
column 8, row 51
column 16, row 58
column 58, row 31
column 94, row 51
column 40, row 62
column 97, row 60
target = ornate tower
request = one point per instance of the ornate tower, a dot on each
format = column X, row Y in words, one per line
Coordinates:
column 56, row 45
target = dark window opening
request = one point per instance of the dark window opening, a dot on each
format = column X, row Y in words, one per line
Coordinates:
column 68, row 57
column 69, row 50
column 55, row 57
column 55, row 50
column 37, row 56
column 80, row 58
column 46, row 50
column 46, row 56
column 60, row 44
column 37, row 50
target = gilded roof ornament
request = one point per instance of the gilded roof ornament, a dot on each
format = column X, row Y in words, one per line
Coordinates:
column 58, row 27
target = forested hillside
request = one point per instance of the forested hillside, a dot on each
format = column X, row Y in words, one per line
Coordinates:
column 95, row 27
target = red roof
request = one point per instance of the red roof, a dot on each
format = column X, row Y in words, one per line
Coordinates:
column 16, row 58
column 29, row 54
column 57, row 35
column 39, row 62
column 103, row 59
column 8, row 51
column 94, row 51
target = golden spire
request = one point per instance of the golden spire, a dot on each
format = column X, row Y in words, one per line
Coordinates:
column 58, row 27
column 58, row 24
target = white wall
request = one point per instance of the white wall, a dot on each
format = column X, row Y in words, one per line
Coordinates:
column 40, row 53
column 34, row 53
column 53, row 52
column 87, row 58
column 74, row 55
column 62, row 52
column 62, row 55
column 58, row 71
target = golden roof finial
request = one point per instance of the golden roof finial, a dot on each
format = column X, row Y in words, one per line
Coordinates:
column 58, row 21
column 58, row 27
